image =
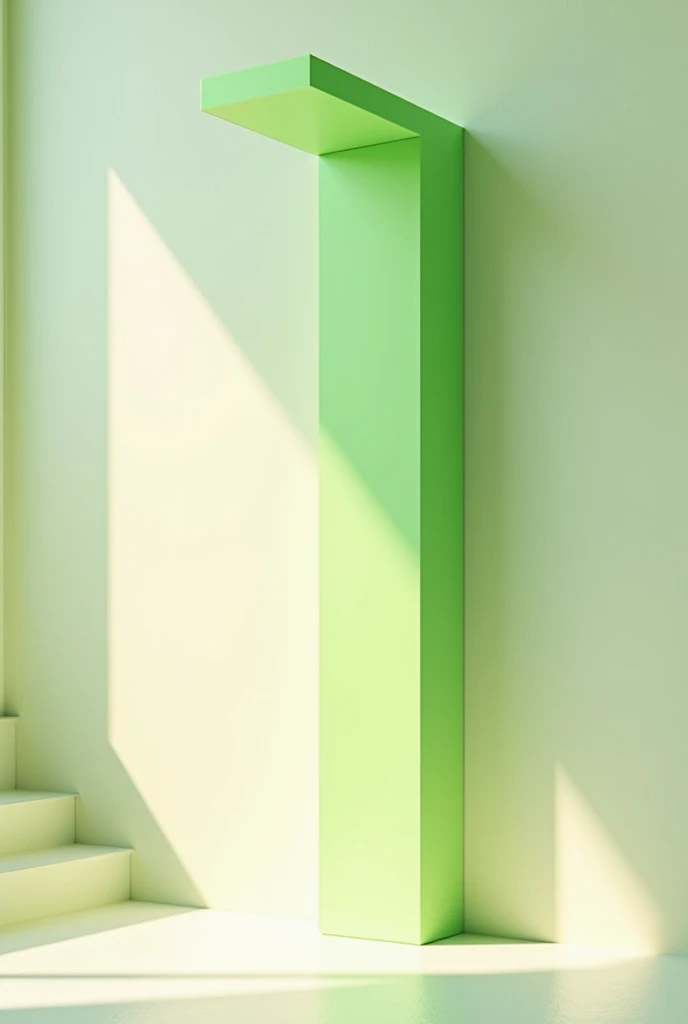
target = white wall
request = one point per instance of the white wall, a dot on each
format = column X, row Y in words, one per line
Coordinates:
column 163, row 414
column 162, row 387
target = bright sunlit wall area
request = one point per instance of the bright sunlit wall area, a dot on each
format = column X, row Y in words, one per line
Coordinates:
column 161, row 585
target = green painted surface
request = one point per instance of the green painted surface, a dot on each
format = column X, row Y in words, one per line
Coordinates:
column 311, row 120
column 370, row 637
column 391, row 499
column 314, row 106
column 441, row 538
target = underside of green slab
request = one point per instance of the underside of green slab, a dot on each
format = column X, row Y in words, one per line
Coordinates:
column 314, row 106
column 391, row 491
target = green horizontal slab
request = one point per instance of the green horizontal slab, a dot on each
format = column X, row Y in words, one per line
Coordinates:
column 311, row 105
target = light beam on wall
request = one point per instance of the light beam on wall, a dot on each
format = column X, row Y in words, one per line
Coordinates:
column 600, row 897
column 212, row 587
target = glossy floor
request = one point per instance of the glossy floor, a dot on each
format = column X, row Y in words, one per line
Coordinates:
column 142, row 964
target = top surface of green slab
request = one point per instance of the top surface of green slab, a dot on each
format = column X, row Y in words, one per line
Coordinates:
column 313, row 106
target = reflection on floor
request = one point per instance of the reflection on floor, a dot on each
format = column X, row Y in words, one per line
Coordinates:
column 145, row 964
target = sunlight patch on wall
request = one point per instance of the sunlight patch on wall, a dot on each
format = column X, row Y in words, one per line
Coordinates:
column 600, row 899
column 212, row 588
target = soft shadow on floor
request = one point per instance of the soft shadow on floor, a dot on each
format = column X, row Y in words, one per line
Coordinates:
column 151, row 964
column 466, row 939
column 655, row 992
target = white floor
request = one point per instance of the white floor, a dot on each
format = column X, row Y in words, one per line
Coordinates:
column 144, row 964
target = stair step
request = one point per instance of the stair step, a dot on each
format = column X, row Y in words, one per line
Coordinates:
column 8, row 761
column 45, row 883
column 34, row 821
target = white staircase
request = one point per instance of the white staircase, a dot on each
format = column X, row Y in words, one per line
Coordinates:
column 43, row 870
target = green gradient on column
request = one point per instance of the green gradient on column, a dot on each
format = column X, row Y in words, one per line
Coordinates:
column 369, row 713
column 391, row 501
column 370, row 636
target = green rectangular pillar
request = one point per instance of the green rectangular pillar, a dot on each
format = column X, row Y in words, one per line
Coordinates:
column 391, row 500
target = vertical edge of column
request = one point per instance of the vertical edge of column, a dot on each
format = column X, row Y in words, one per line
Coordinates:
column 442, row 513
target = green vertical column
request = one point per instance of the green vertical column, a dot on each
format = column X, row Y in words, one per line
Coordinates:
column 391, row 502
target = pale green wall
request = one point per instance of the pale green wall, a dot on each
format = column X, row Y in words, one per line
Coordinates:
column 577, row 356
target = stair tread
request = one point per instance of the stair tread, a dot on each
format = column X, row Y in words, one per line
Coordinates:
column 20, row 796
column 57, row 855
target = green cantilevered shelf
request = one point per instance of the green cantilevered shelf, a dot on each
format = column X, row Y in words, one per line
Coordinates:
column 391, row 497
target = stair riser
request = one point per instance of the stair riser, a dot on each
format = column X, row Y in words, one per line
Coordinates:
column 36, row 825
column 33, row 893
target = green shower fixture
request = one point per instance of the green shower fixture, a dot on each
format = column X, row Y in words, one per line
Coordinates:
column 391, row 490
